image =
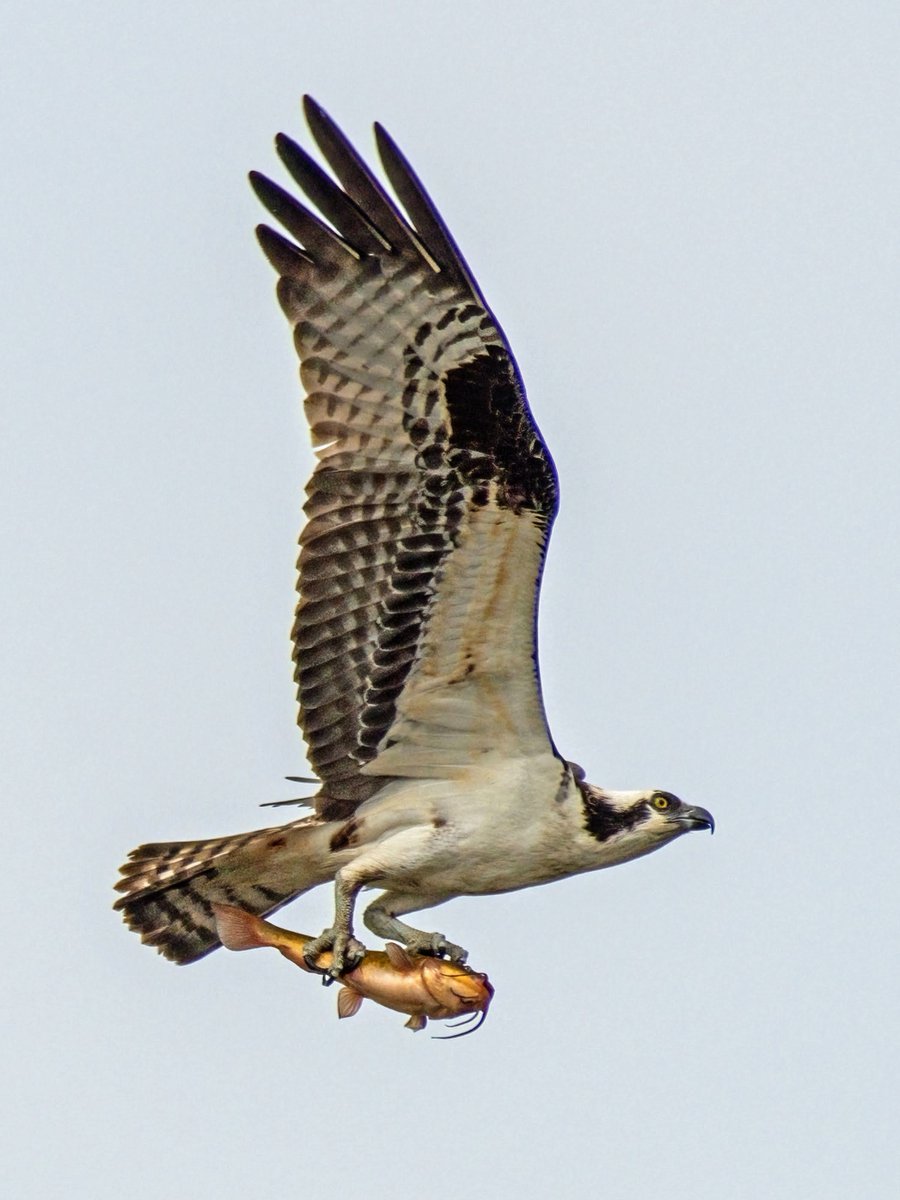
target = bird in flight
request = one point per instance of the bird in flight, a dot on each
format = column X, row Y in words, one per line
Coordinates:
column 428, row 517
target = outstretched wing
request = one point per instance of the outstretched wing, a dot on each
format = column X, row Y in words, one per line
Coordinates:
column 432, row 501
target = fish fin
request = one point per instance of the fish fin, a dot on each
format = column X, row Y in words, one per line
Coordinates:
column 237, row 929
column 348, row 1002
column 416, row 1023
column 399, row 958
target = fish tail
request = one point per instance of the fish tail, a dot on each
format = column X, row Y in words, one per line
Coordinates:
column 170, row 888
column 238, row 929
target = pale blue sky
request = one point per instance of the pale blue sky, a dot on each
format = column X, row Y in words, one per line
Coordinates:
column 685, row 215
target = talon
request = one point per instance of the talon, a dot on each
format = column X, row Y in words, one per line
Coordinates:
column 436, row 945
column 311, row 959
column 455, row 953
column 346, row 954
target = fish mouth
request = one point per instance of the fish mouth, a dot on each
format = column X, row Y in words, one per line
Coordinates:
column 695, row 817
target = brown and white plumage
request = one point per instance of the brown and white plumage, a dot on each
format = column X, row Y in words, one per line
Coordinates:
column 428, row 516
column 429, row 466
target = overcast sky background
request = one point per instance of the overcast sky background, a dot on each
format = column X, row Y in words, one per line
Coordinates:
column 685, row 216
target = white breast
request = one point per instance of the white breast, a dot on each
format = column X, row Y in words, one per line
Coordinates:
column 505, row 824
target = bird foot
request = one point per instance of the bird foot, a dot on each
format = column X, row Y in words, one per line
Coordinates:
column 346, row 953
column 437, row 946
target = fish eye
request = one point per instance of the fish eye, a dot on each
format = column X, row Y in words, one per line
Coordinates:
column 661, row 802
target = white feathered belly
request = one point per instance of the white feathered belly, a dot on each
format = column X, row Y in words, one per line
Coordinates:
column 492, row 829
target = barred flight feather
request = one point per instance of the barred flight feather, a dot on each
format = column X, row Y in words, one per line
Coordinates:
column 431, row 475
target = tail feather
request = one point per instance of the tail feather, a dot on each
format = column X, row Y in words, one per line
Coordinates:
column 170, row 887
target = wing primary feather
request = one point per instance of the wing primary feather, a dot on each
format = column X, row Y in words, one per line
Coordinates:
column 421, row 209
column 287, row 259
column 312, row 233
column 334, row 204
column 361, row 185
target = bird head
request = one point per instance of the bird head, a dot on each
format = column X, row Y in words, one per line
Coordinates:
column 638, row 822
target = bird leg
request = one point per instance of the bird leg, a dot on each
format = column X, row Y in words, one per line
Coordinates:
column 381, row 918
column 346, row 951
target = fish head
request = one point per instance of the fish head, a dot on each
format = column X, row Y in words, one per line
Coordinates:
column 455, row 989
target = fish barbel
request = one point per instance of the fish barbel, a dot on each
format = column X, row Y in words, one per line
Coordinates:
column 419, row 985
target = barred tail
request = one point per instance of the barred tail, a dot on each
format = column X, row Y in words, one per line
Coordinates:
column 170, row 887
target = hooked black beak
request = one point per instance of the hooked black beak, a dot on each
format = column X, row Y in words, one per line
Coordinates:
column 696, row 817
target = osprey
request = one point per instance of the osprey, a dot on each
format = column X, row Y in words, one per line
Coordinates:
column 428, row 516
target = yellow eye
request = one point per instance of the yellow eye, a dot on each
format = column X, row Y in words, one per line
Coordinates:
column 660, row 802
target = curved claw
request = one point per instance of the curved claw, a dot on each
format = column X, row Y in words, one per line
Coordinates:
column 436, row 945
column 346, row 953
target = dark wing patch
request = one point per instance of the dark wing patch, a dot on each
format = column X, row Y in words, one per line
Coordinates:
column 419, row 420
column 494, row 433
